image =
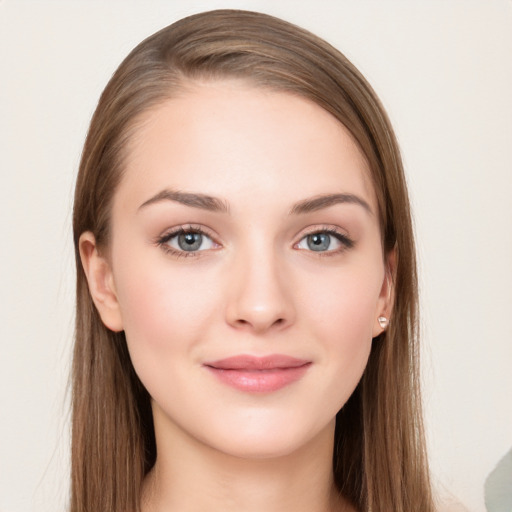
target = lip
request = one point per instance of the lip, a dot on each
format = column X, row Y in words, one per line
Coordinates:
column 258, row 374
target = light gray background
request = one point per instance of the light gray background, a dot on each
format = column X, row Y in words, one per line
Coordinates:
column 444, row 72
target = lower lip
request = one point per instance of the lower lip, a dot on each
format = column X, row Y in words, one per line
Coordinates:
column 260, row 381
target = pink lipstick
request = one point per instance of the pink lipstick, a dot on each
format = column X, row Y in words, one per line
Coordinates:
column 258, row 374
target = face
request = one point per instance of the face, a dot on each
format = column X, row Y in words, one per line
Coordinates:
column 246, row 267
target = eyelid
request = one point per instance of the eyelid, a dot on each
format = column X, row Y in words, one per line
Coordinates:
column 162, row 239
column 340, row 234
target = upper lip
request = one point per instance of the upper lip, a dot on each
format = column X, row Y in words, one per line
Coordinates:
column 248, row 362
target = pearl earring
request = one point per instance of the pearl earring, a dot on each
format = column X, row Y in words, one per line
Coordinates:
column 383, row 321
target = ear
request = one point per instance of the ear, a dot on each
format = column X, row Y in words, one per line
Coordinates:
column 387, row 294
column 101, row 282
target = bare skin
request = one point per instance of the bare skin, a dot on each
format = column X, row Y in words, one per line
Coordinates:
column 288, row 262
column 301, row 481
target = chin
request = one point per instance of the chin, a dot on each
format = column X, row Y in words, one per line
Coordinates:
column 262, row 440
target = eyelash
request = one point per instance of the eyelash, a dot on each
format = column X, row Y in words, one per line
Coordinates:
column 163, row 240
column 345, row 241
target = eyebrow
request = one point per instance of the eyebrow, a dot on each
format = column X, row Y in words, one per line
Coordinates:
column 202, row 201
column 324, row 201
column 214, row 204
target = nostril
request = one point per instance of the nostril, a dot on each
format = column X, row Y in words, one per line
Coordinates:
column 261, row 324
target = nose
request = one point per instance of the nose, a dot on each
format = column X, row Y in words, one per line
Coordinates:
column 260, row 297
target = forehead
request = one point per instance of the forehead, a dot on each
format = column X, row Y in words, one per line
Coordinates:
column 228, row 138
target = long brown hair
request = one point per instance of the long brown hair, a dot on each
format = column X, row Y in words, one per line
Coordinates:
column 379, row 459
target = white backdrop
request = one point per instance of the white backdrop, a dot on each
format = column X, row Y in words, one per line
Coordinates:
column 444, row 72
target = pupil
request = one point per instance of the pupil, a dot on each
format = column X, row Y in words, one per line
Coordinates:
column 319, row 242
column 190, row 241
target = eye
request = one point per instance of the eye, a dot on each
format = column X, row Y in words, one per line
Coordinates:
column 325, row 241
column 187, row 241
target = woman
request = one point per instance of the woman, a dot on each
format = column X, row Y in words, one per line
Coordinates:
column 246, row 291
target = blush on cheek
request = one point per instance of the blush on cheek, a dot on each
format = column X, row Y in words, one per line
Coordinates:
column 163, row 308
column 347, row 306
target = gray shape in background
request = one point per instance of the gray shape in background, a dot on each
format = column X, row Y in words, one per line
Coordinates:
column 498, row 486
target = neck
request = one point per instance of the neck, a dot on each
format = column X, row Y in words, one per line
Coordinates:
column 188, row 475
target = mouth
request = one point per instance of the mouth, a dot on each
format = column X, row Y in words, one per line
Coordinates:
column 258, row 374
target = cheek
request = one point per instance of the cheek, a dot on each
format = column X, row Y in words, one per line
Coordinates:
column 344, row 304
column 342, row 312
column 164, row 310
